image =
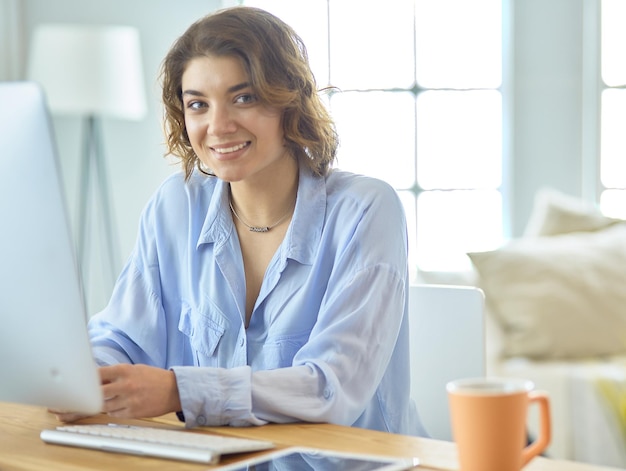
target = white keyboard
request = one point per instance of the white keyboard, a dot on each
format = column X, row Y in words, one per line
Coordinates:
column 162, row 443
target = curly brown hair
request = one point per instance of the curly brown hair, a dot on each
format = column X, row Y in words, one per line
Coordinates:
column 276, row 61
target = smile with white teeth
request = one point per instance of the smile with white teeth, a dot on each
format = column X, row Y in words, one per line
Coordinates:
column 226, row 150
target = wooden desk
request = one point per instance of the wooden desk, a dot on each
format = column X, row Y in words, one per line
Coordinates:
column 22, row 449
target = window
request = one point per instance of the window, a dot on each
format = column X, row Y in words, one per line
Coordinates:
column 613, row 109
column 420, row 106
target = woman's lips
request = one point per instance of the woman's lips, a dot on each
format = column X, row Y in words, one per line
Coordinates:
column 230, row 148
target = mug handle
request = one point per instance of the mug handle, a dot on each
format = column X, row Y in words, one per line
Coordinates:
column 541, row 443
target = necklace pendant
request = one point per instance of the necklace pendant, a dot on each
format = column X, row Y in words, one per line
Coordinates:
column 259, row 229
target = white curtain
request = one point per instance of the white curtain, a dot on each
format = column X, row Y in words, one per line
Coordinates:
column 11, row 44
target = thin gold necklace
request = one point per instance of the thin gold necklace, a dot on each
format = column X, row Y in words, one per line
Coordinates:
column 257, row 228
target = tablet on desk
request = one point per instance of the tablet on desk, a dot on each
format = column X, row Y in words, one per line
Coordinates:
column 313, row 459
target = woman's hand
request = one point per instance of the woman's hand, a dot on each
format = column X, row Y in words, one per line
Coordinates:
column 65, row 416
column 133, row 391
column 138, row 391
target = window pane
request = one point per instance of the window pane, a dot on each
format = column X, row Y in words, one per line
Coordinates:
column 613, row 203
column 459, row 139
column 613, row 40
column 458, row 43
column 371, row 45
column 377, row 134
column 452, row 223
column 613, row 139
column 312, row 27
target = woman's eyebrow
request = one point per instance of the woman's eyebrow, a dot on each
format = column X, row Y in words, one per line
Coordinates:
column 191, row 92
column 240, row 86
column 233, row 89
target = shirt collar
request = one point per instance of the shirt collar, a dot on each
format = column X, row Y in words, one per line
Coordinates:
column 218, row 223
column 304, row 234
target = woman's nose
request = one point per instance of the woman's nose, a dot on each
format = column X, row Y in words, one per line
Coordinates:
column 221, row 121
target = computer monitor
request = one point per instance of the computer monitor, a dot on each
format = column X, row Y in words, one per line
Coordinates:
column 45, row 355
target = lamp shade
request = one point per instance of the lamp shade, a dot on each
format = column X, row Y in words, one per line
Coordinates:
column 89, row 70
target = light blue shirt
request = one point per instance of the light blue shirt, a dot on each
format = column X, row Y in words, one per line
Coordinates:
column 328, row 340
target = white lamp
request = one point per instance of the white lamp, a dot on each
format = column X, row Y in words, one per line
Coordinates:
column 91, row 71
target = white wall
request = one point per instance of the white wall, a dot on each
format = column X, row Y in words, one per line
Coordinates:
column 547, row 92
column 10, row 44
column 547, row 101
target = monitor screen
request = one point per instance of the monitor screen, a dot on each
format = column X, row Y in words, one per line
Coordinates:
column 45, row 355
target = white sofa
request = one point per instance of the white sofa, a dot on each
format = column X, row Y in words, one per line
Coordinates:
column 556, row 314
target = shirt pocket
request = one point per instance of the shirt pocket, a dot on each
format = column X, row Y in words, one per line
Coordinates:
column 279, row 351
column 204, row 332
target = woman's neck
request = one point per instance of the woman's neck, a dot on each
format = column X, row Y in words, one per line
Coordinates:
column 266, row 201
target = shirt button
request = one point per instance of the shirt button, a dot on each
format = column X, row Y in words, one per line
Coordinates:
column 326, row 393
column 201, row 420
column 241, row 342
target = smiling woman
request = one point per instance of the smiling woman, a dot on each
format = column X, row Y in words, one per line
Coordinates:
column 230, row 131
column 261, row 276
column 281, row 77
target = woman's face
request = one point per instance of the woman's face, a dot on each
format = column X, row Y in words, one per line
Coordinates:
column 232, row 134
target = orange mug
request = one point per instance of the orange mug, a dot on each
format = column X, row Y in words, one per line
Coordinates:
column 488, row 418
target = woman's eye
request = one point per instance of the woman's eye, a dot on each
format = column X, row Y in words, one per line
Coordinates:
column 195, row 105
column 246, row 98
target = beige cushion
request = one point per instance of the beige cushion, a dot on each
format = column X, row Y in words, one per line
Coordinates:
column 562, row 296
column 557, row 213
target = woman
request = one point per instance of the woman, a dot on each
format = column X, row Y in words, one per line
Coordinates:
column 264, row 286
